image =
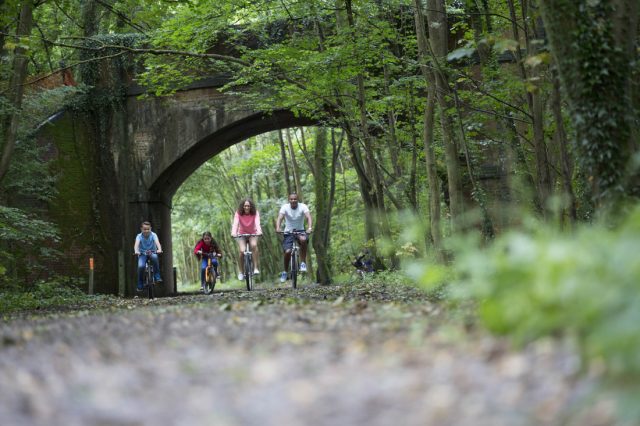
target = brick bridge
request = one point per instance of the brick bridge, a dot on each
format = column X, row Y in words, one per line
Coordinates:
column 108, row 186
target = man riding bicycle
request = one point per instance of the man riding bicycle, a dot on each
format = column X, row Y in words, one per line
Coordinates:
column 294, row 213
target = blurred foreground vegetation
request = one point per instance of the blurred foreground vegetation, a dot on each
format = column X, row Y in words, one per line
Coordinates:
column 581, row 287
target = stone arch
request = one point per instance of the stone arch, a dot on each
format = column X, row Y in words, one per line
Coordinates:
column 168, row 182
column 169, row 179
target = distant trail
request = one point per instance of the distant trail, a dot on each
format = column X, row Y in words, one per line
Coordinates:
column 364, row 355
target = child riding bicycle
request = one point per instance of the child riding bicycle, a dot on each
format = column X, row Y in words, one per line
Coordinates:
column 206, row 247
column 147, row 244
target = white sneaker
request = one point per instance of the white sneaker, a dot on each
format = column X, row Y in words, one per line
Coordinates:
column 283, row 276
column 303, row 267
column 256, row 272
column 241, row 276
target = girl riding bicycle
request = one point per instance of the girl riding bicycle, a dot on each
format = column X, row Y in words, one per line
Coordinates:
column 206, row 247
column 246, row 220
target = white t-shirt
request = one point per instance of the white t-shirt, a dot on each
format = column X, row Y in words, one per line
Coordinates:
column 294, row 219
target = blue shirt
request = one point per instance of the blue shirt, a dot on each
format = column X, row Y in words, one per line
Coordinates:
column 147, row 243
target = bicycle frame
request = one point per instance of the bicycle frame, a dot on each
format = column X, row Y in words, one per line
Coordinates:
column 148, row 279
column 210, row 274
column 247, row 262
column 294, row 260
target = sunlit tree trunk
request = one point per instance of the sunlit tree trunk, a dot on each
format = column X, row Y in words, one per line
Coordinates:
column 323, row 194
column 285, row 165
column 294, row 165
column 438, row 35
column 429, row 151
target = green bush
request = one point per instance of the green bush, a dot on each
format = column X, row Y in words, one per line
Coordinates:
column 584, row 285
column 21, row 234
column 60, row 292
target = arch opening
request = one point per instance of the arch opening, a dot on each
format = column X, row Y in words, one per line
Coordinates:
column 208, row 198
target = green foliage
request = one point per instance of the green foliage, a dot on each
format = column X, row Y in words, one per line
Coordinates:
column 582, row 285
column 60, row 292
column 596, row 61
column 24, row 241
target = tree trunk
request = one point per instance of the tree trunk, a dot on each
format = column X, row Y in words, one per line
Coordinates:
column 391, row 122
column 438, row 35
column 429, row 151
column 323, row 205
column 379, row 212
column 15, row 90
column 561, row 140
column 294, row 166
column 537, row 111
column 598, row 90
column 285, row 164
column 412, row 186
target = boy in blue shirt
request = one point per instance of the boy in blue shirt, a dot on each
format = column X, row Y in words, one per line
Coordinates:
column 147, row 241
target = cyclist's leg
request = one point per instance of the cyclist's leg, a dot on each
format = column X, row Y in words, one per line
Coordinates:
column 156, row 266
column 203, row 271
column 303, row 242
column 242, row 242
column 142, row 262
column 215, row 263
column 253, row 242
column 287, row 245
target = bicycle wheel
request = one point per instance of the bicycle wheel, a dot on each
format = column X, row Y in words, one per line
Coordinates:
column 294, row 269
column 149, row 281
column 210, row 280
column 248, row 271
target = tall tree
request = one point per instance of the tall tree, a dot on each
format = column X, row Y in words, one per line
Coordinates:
column 9, row 123
column 324, row 200
column 534, row 99
column 593, row 43
column 428, row 138
column 439, row 36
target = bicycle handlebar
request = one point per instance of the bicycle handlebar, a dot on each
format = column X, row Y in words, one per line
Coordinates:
column 210, row 254
column 247, row 235
column 147, row 253
column 294, row 232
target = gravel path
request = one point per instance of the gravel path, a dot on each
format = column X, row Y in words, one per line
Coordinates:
column 368, row 355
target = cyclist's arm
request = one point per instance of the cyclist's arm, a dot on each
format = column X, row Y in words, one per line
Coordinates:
column 309, row 221
column 235, row 225
column 258, row 227
column 136, row 246
column 279, row 221
column 158, row 246
column 198, row 249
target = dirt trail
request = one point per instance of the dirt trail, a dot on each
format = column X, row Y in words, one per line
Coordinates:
column 366, row 355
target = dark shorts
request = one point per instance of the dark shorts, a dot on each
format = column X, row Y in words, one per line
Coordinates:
column 287, row 241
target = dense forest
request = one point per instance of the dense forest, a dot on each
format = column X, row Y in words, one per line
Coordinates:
column 489, row 147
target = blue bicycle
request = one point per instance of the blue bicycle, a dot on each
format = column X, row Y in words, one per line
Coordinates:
column 148, row 277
